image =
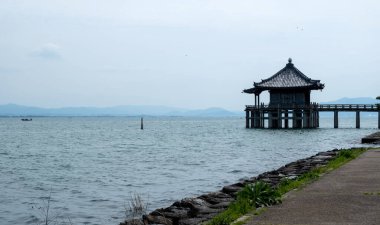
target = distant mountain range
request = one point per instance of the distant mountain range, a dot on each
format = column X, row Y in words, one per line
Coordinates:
column 362, row 100
column 142, row 110
column 130, row 110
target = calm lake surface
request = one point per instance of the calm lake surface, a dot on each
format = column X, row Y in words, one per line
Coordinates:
column 92, row 165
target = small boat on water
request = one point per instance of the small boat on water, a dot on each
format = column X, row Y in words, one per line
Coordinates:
column 25, row 119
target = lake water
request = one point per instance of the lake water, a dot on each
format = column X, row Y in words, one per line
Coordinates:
column 92, row 165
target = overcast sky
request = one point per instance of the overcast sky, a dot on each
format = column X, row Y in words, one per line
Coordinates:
column 183, row 53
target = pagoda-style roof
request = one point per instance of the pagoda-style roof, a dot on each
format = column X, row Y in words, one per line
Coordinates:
column 288, row 78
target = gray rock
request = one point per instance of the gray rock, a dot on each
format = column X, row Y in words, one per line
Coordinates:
column 216, row 198
column 173, row 212
column 133, row 222
column 191, row 221
column 232, row 189
column 150, row 219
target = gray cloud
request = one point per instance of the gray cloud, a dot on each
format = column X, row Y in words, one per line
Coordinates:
column 190, row 54
column 48, row 51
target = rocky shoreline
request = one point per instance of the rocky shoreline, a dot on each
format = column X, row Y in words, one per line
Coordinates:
column 191, row 211
column 372, row 138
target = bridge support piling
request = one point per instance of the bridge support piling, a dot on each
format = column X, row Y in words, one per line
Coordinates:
column 358, row 119
column 336, row 119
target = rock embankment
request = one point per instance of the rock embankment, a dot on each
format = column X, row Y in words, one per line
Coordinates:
column 191, row 211
column 372, row 138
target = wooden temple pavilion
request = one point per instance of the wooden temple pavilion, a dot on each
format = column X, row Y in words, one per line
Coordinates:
column 290, row 105
column 289, row 91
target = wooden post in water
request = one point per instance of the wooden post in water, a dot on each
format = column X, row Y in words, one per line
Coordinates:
column 357, row 119
column 309, row 117
column 298, row 119
column 253, row 119
column 257, row 119
column 311, row 124
column 304, row 119
column 378, row 120
column 286, row 119
column 142, row 123
column 336, row 119
column 270, row 121
column 294, row 119
column 318, row 119
column 246, row 119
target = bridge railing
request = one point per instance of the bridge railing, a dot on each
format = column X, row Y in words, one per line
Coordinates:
column 348, row 106
column 315, row 106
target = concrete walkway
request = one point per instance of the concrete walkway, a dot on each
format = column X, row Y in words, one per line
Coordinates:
column 348, row 195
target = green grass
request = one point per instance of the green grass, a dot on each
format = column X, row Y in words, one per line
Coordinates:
column 343, row 157
column 261, row 194
column 234, row 211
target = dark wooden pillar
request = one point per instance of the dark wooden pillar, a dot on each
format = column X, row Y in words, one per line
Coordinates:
column 336, row 119
column 246, row 119
column 270, row 119
column 308, row 118
column 257, row 119
column 357, row 119
column 297, row 121
column 317, row 118
column 273, row 120
column 286, row 125
column 304, row 119
column 311, row 118
column 294, row 119
column 258, row 99
column 253, row 119
column 279, row 118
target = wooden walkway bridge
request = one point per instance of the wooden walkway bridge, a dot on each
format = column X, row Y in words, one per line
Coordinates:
column 301, row 116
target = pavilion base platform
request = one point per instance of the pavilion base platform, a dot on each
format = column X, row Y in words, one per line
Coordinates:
column 276, row 117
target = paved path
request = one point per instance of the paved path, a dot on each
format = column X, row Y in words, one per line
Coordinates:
column 348, row 195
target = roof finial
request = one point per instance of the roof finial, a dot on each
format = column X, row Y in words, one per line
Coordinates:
column 290, row 64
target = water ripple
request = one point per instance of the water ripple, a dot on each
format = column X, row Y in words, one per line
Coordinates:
column 91, row 165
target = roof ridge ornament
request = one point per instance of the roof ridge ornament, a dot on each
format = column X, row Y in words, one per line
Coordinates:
column 290, row 64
